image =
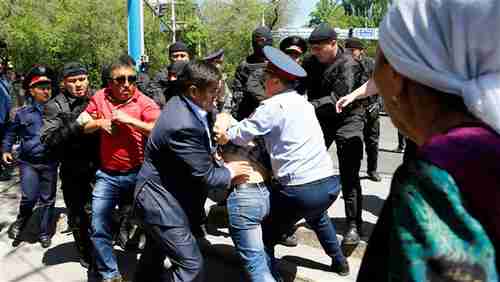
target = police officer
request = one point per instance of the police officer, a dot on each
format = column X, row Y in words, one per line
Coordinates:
column 333, row 73
column 77, row 152
column 372, row 105
column 244, row 100
column 225, row 95
column 300, row 161
column 177, row 52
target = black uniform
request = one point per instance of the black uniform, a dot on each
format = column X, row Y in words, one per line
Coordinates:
column 78, row 154
column 372, row 105
column 324, row 85
column 246, row 100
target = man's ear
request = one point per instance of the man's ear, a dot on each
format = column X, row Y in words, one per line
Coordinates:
column 192, row 91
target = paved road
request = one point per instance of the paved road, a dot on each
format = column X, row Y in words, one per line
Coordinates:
column 30, row 263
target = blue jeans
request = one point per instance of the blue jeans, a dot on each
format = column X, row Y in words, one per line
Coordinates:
column 247, row 208
column 108, row 191
column 38, row 184
column 311, row 202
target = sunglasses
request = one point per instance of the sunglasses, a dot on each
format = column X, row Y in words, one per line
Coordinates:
column 132, row 79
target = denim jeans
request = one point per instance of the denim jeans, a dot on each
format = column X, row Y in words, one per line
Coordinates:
column 38, row 184
column 311, row 202
column 247, row 208
column 108, row 192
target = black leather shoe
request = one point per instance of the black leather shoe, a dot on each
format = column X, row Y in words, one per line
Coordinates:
column 341, row 268
column 16, row 228
column 114, row 279
column 374, row 176
column 351, row 237
column 399, row 150
column 289, row 240
column 45, row 242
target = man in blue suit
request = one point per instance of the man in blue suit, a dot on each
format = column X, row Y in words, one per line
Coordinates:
column 180, row 165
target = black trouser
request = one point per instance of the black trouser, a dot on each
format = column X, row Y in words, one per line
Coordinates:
column 77, row 192
column 350, row 153
column 371, row 134
column 346, row 130
column 401, row 141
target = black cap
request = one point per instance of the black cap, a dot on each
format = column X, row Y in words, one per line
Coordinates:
column 214, row 55
column 178, row 46
column 283, row 65
column 291, row 42
column 264, row 32
column 354, row 43
column 72, row 69
column 321, row 33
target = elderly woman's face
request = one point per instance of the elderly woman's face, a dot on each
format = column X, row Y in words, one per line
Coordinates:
column 390, row 86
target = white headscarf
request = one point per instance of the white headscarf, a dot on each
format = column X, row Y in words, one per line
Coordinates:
column 449, row 45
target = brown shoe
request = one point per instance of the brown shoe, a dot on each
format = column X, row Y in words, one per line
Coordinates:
column 114, row 279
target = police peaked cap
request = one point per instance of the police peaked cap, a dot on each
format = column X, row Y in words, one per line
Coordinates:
column 282, row 65
column 214, row 55
column 293, row 41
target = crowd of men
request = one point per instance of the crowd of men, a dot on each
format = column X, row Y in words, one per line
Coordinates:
column 152, row 150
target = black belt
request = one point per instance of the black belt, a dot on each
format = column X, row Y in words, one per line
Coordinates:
column 251, row 185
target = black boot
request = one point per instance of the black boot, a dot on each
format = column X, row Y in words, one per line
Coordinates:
column 340, row 267
column 374, row 176
column 17, row 227
column 351, row 236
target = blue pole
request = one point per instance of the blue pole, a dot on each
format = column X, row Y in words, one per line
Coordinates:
column 135, row 30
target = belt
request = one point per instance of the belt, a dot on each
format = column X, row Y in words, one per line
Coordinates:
column 251, row 185
column 120, row 173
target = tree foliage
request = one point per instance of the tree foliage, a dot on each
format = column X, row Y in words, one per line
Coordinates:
column 349, row 13
column 94, row 32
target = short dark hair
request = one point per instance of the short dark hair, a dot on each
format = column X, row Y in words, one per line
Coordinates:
column 200, row 74
column 118, row 64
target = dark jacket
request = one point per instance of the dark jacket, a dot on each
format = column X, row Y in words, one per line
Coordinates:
column 367, row 65
column 325, row 84
column 64, row 138
column 246, row 100
column 157, row 88
column 179, row 167
column 26, row 126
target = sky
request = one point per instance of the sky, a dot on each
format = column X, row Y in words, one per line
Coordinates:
column 304, row 8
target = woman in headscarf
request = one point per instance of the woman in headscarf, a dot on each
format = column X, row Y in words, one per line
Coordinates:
column 438, row 70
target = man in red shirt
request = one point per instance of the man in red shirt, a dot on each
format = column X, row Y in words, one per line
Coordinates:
column 124, row 117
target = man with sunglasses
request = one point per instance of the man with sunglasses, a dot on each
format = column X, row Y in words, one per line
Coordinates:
column 124, row 117
column 76, row 151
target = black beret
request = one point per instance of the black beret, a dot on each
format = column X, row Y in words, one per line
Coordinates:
column 321, row 33
column 354, row 43
column 293, row 41
column 72, row 69
column 214, row 55
column 264, row 32
column 178, row 46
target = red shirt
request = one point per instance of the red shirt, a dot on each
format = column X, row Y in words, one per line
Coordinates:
column 124, row 150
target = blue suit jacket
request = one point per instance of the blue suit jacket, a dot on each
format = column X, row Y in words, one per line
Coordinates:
column 179, row 168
